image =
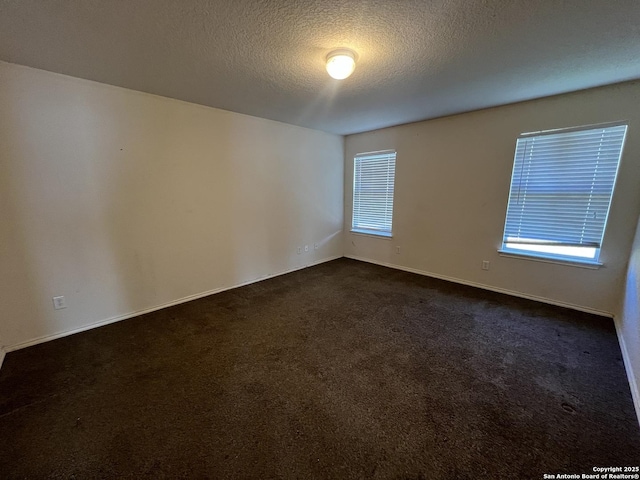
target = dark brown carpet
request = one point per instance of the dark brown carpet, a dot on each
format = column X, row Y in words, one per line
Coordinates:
column 343, row 370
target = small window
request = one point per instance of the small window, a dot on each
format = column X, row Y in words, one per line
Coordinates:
column 373, row 179
column 561, row 189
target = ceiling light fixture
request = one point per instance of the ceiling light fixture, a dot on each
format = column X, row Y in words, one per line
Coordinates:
column 341, row 63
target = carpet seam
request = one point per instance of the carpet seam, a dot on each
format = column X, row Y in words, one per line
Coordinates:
column 23, row 407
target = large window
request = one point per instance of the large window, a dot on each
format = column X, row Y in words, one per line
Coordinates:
column 373, row 179
column 561, row 190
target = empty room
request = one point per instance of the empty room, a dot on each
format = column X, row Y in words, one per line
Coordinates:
column 320, row 239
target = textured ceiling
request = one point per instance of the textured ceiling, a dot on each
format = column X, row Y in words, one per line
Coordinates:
column 418, row 59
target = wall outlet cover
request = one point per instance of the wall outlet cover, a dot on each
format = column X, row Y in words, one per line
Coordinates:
column 59, row 302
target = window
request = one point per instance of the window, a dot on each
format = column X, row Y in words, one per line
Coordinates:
column 561, row 190
column 373, row 179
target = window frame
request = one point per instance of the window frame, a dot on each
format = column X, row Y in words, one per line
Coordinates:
column 357, row 229
column 567, row 259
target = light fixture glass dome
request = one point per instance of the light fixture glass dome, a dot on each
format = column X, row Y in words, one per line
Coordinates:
column 341, row 63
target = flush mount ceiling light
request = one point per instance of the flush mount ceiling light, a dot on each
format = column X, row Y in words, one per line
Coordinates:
column 341, row 63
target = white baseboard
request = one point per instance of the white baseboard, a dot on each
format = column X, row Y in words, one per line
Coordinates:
column 635, row 392
column 486, row 287
column 46, row 338
column 633, row 384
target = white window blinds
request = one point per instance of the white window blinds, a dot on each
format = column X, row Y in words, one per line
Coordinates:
column 561, row 186
column 373, row 181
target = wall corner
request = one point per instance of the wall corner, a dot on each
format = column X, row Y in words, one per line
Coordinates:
column 628, row 366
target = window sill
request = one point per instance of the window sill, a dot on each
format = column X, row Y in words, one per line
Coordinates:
column 590, row 264
column 373, row 233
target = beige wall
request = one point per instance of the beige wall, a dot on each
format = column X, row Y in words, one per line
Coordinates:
column 452, row 185
column 628, row 322
column 123, row 201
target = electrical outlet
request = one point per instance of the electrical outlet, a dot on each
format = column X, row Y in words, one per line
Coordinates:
column 59, row 303
column 299, row 250
column 485, row 264
column 306, row 248
column 398, row 250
